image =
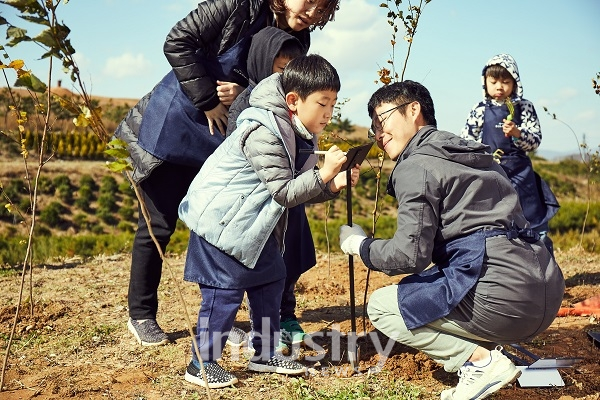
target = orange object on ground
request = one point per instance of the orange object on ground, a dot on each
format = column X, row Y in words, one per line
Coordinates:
column 586, row 307
column 581, row 311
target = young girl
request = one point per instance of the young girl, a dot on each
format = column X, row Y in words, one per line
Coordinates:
column 511, row 133
column 170, row 132
column 236, row 207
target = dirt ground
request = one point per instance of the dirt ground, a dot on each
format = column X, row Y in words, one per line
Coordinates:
column 76, row 344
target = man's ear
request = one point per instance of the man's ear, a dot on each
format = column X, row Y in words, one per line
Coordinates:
column 414, row 109
column 414, row 113
column 291, row 99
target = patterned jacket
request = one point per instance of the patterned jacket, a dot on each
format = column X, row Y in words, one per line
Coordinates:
column 531, row 134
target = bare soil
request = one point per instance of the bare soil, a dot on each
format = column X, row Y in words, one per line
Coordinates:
column 76, row 343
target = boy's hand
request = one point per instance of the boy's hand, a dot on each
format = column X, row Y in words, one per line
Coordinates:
column 341, row 180
column 334, row 159
column 217, row 117
column 228, row 91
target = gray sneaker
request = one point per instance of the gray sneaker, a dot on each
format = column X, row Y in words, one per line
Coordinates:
column 147, row 332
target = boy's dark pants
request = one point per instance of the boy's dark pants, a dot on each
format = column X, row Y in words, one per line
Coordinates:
column 299, row 257
column 162, row 192
column 217, row 313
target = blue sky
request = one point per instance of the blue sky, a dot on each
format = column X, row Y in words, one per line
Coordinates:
column 555, row 43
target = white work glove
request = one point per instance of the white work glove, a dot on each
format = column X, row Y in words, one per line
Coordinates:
column 351, row 237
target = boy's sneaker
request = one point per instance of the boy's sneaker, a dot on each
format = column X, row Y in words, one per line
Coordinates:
column 279, row 365
column 477, row 383
column 281, row 348
column 237, row 338
column 292, row 333
column 216, row 376
column 147, row 332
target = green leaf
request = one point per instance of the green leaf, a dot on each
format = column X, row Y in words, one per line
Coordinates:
column 32, row 83
column 119, row 166
column 117, row 143
column 117, row 153
column 45, row 37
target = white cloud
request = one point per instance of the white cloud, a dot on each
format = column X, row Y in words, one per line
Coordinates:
column 358, row 38
column 587, row 115
column 126, row 65
column 568, row 93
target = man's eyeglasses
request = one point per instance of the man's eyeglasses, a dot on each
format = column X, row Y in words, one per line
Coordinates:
column 374, row 128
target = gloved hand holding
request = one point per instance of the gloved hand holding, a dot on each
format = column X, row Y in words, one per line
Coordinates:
column 351, row 238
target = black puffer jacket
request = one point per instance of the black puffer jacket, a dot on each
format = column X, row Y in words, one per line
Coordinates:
column 129, row 131
column 210, row 30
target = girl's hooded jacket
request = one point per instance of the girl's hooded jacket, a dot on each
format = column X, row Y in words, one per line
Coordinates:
column 528, row 122
column 484, row 124
column 239, row 197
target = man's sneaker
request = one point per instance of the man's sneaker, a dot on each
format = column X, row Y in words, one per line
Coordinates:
column 216, row 376
column 477, row 383
column 237, row 338
column 147, row 332
column 279, row 365
column 292, row 333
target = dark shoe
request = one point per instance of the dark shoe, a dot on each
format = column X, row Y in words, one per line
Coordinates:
column 237, row 338
column 279, row 365
column 147, row 333
column 216, row 376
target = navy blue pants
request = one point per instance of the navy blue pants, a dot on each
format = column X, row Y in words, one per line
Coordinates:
column 217, row 313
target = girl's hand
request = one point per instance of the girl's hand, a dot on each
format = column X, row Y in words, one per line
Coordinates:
column 510, row 129
column 334, row 159
column 217, row 117
column 341, row 180
column 228, row 91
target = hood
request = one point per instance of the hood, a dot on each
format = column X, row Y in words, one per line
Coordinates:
column 269, row 95
column 506, row 61
column 429, row 141
column 265, row 46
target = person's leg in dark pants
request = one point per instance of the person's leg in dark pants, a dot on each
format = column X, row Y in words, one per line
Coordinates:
column 299, row 257
column 161, row 192
column 215, row 318
column 288, row 299
column 264, row 301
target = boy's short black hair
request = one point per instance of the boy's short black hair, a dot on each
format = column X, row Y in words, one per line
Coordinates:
column 403, row 92
column 497, row 71
column 291, row 49
column 278, row 7
column 308, row 74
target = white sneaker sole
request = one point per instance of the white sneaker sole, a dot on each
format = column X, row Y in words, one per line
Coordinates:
column 277, row 370
column 214, row 385
column 508, row 380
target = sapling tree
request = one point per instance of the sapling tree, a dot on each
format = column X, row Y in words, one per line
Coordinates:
column 589, row 156
column 55, row 44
